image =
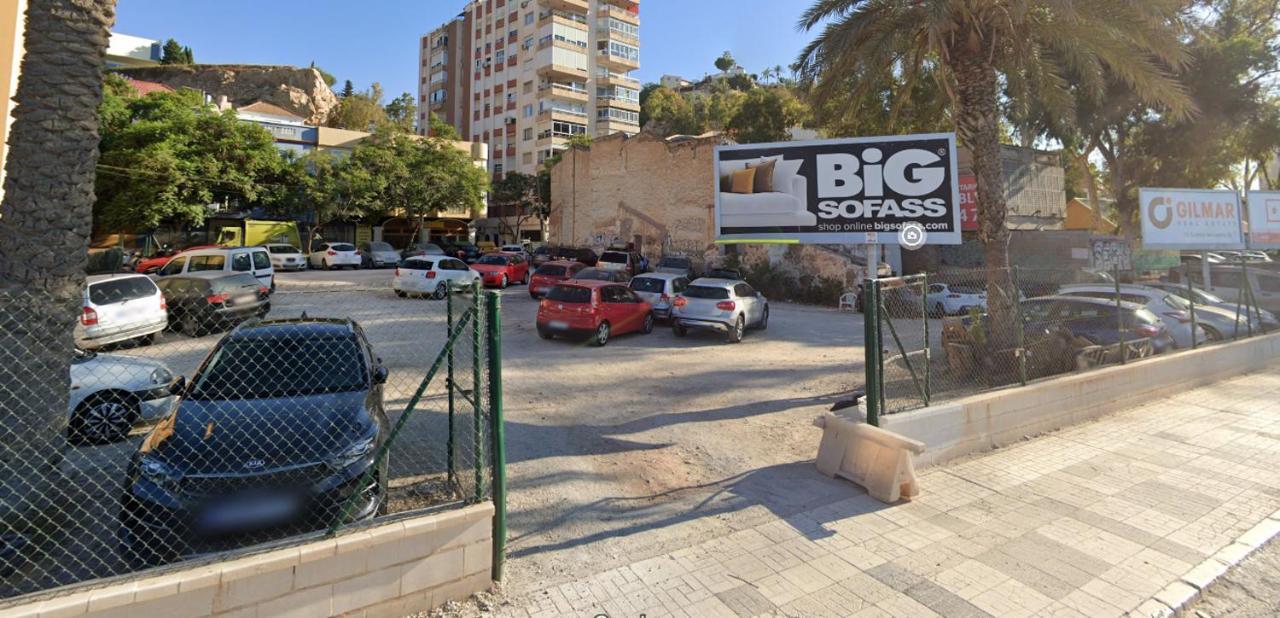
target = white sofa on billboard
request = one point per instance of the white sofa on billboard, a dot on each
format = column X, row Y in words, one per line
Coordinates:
column 782, row 207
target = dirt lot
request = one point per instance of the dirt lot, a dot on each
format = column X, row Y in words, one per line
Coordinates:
column 1250, row 590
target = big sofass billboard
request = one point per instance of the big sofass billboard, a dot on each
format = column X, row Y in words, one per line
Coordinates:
column 839, row 191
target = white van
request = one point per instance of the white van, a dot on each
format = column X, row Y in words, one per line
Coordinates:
column 1228, row 283
column 254, row 260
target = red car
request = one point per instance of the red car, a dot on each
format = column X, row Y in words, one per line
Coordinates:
column 154, row 263
column 502, row 269
column 597, row 309
column 551, row 273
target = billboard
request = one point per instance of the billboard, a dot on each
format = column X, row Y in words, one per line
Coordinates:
column 842, row 191
column 1264, row 219
column 1190, row 219
column 968, row 203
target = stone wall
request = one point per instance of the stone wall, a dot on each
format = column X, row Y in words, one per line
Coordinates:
column 300, row 91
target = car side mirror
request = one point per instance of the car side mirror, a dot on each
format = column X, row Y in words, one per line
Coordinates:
column 380, row 375
column 178, row 386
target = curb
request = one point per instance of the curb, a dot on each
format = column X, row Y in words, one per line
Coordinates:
column 1176, row 597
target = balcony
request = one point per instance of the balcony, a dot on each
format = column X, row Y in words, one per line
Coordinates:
column 562, row 91
column 609, row 126
column 606, row 78
column 612, row 101
column 615, row 62
column 620, row 14
column 564, row 115
column 572, row 6
column 557, row 72
column 565, row 18
column 606, row 34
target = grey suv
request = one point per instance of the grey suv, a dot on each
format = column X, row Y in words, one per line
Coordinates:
column 726, row 305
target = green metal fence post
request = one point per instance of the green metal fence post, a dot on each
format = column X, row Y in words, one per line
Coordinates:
column 1191, row 298
column 477, row 416
column 493, row 323
column 1124, row 345
column 1022, row 328
column 928, row 347
column 871, row 349
column 1244, row 279
column 450, row 386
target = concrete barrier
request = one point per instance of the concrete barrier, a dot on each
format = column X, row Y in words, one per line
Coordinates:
column 1005, row 416
column 394, row 569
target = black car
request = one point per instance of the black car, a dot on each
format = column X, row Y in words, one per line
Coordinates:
column 271, row 437
column 575, row 254
column 204, row 302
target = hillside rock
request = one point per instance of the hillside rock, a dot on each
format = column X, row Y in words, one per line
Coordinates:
column 301, row 91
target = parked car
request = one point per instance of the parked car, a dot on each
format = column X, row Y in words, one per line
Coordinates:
column 117, row 308
column 677, row 265
column 286, row 257
column 334, row 255
column 517, row 249
column 731, row 274
column 466, row 252
column 659, row 289
column 422, row 249
column 1171, row 309
column 274, row 432
column 603, row 274
column 377, row 254
column 1095, row 320
column 575, row 254
column 541, row 256
column 597, row 309
column 253, row 260
column 206, row 302
column 432, row 274
column 551, row 273
column 626, row 261
column 951, row 299
column 151, row 265
column 111, row 392
column 1229, row 282
column 725, row 305
column 1204, row 299
column 502, row 269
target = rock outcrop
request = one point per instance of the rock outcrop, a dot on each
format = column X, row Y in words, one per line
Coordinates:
column 300, row 91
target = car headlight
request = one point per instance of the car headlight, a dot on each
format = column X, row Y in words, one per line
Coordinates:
column 161, row 376
column 158, row 472
column 354, row 453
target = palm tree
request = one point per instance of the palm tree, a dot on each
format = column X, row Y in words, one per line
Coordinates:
column 44, row 235
column 1035, row 50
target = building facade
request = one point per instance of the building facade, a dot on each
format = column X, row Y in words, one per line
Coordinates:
column 524, row 76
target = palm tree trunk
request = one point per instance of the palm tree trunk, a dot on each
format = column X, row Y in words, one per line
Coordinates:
column 977, row 123
column 45, row 222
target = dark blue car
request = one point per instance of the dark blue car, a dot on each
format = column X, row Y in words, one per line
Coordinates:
column 270, row 437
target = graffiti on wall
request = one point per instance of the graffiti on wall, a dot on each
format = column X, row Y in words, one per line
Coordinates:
column 1111, row 254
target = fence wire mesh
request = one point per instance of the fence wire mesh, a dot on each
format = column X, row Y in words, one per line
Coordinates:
column 944, row 335
column 196, row 415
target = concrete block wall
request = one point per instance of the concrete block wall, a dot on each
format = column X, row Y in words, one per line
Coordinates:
column 982, row 422
column 393, row 570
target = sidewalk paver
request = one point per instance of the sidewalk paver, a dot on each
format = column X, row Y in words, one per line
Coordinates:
column 1115, row 516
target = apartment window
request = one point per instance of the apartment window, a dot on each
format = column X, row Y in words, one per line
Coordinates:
column 577, row 109
column 487, row 109
column 513, row 35
column 528, row 43
column 528, row 18
column 618, row 93
column 511, row 97
column 500, row 57
column 527, row 158
column 622, row 27
column 497, row 168
column 439, row 77
column 621, row 115
column 528, row 87
column 528, row 110
column 622, row 50
column 438, row 95
column 528, row 134
column 567, row 129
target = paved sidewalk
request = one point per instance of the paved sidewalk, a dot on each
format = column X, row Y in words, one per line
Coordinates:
column 1127, row 514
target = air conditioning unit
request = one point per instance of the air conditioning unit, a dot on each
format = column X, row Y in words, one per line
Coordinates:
column 511, row 120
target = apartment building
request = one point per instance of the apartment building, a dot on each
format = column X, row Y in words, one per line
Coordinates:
column 526, row 75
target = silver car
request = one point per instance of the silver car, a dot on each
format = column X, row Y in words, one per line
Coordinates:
column 377, row 254
column 110, row 392
column 659, row 289
column 1204, row 299
column 729, row 306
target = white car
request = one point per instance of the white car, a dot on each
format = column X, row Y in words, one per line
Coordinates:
column 111, row 392
column 330, row 255
column 724, row 305
column 118, row 308
column 1171, row 309
column 947, row 299
column 433, row 275
column 286, row 257
column 517, row 249
column 659, row 289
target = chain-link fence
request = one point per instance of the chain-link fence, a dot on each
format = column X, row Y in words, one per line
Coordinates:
column 953, row 333
column 184, row 417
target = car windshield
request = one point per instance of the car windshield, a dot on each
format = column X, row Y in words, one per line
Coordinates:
column 495, row 260
column 120, row 290
column 648, row 284
column 380, row 246
column 1145, row 316
column 674, row 263
column 1177, row 302
column 613, row 257
column 706, row 291
column 964, row 289
column 569, row 294
column 281, row 249
column 551, row 270
column 415, row 264
column 342, row 247
column 269, row 368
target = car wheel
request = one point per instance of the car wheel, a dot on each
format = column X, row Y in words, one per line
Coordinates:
column 735, row 332
column 147, row 339
column 647, row 327
column 503, row 284
column 440, row 293
column 325, row 265
column 102, row 419
column 191, row 326
column 1212, row 333
column 764, row 320
column 533, row 296
column 679, row 330
column 601, row 336
column 939, row 311
column 525, row 281
column 545, row 334
column 401, row 293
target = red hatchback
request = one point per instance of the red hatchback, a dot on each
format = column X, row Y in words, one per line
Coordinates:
column 598, row 309
column 551, row 273
column 502, row 269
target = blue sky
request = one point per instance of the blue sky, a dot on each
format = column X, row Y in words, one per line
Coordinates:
column 377, row 40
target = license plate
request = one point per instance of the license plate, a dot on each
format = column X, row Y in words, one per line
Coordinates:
column 248, row 513
column 558, row 325
column 245, row 299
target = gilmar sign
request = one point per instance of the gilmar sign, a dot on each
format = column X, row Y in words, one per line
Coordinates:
column 1190, row 219
column 839, row 191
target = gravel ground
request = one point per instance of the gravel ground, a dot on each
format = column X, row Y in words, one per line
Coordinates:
column 1251, row 589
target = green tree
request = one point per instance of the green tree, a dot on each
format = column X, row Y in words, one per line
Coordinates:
column 438, row 128
column 766, row 115
column 668, row 113
column 336, row 188
column 520, row 197
column 347, row 90
column 402, row 110
column 644, row 97
column 725, row 62
column 360, row 111
column 1029, row 46
column 173, row 154
column 187, row 56
column 174, row 53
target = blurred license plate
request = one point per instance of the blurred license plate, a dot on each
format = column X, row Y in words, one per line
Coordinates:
column 558, row 325
column 245, row 299
column 248, row 513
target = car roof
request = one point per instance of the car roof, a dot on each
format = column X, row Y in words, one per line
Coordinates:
column 658, row 275
column 216, row 250
column 1124, row 304
column 91, row 279
column 1110, row 287
column 293, row 328
column 431, row 259
column 589, row 283
column 277, row 244
column 207, row 274
column 561, row 263
column 713, row 282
